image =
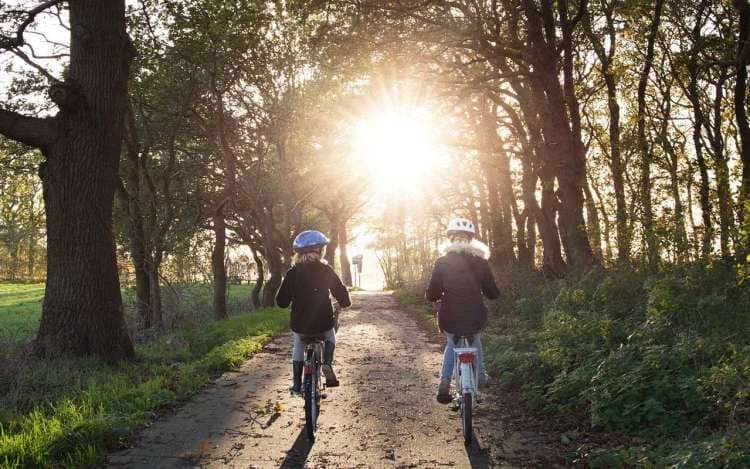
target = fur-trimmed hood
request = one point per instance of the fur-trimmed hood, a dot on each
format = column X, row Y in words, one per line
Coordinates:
column 474, row 247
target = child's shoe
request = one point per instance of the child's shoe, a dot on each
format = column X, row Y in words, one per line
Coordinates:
column 331, row 380
column 296, row 377
column 444, row 392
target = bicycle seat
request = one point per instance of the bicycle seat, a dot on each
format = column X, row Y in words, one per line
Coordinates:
column 308, row 339
column 469, row 338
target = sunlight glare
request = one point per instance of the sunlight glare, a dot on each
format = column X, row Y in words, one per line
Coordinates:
column 398, row 147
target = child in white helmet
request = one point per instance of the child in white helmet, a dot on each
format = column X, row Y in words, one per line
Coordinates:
column 461, row 279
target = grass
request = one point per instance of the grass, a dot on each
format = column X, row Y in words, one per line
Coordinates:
column 21, row 306
column 68, row 412
column 20, row 310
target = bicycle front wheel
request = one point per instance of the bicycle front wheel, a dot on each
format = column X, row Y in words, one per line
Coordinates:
column 311, row 406
column 466, row 405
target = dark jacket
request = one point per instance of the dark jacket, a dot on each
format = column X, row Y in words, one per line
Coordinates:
column 308, row 287
column 459, row 279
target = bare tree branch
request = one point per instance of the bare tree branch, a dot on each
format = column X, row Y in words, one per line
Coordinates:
column 17, row 41
column 19, row 53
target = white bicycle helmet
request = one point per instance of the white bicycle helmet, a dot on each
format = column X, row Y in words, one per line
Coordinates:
column 461, row 225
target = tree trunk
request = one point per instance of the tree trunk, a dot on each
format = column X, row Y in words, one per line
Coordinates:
column 740, row 100
column 704, row 189
column 592, row 222
column 82, row 311
column 275, row 267
column 496, row 168
column 726, row 217
column 219, row 268
column 616, row 164
column 330, row 256
column 346, row 266
column 255, row 295
column 154, row 277
column 15, row 248
column 142, row 279
column 553, row 261
column 651, row 246
column 31, row 257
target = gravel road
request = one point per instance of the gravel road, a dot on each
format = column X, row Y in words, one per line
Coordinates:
column 383, row 415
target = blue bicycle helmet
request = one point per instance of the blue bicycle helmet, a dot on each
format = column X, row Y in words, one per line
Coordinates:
column 309, row 240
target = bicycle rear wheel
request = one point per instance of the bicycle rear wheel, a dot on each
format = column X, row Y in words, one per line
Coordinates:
column 466, row 408
column 312, row 408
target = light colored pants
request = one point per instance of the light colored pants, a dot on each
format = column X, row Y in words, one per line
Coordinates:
column 449, row 357
column 298, row 347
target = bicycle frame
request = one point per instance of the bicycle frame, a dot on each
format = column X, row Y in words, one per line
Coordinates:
column 313, row 357
column 465, row 376
column 465, row 370
column 312, row 388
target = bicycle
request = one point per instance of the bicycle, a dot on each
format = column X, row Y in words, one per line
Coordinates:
column 465, row 378
column 312, row 386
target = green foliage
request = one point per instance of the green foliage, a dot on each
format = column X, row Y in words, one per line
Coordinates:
column 662, row 358
column 67, row 412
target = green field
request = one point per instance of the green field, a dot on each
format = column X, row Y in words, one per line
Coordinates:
column 67, row 411
column 21, row 304
column 20, row 309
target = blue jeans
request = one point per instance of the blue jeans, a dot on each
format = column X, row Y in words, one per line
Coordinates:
column 449, row 357
column 298, row 347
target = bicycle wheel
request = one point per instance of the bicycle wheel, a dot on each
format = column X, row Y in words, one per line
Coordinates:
column 311, row 406
column 466, row 417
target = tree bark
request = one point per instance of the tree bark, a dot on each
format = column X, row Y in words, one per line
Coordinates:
column 82, row 311
column 155, row 291
column 219, row 268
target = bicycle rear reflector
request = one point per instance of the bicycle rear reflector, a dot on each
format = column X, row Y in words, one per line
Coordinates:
column 308, row 369
column 466, row 357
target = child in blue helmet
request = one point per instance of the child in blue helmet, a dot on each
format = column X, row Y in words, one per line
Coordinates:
column 308, row 287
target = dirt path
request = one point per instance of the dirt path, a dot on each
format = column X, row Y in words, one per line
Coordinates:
column 383, row 415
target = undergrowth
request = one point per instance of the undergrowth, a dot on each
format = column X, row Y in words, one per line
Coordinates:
column 663, row 359
column 69, row 411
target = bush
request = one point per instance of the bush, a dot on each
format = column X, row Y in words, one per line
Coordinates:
column 660, row 356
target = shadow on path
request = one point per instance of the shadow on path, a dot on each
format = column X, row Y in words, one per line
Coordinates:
column 477, row 454
column 297, row 456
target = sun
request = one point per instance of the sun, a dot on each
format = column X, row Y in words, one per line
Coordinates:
column 399, row 147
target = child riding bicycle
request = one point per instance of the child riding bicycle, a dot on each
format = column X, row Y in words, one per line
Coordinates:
column 308, row 287
column 460, row 278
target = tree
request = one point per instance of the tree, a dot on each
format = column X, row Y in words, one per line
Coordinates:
column 82, row 311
